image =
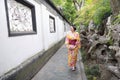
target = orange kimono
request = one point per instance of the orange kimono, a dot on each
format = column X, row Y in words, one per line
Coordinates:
column 73, row 44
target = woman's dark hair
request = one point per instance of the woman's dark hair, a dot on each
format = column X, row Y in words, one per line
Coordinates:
column 74, row 27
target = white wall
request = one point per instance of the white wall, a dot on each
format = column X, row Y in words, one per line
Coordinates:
column 45, row 30
column 61, row 28
column 67, row 27
column 15, row 50
column 49, row 38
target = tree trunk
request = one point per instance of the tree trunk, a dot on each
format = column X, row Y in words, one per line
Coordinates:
column 115, row 5
column 78, row 4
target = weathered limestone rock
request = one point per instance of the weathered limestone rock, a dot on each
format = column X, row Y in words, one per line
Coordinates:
column 114, row 70
column 117, row 55
column 103, row 49
column 104, row 71
column 114, row 78
column 91, row 26
column 116, row 33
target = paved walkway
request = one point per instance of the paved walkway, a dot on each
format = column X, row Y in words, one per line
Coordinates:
column 57, row 69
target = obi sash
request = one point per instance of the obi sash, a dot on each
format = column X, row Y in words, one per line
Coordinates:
column 72, row 42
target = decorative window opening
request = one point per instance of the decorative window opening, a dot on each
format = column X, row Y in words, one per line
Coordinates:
column 52, row 24
column 20, row 17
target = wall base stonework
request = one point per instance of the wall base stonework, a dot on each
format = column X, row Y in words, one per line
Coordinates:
column 30, row 67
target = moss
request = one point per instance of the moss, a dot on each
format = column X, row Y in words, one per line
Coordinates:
column 110, row 42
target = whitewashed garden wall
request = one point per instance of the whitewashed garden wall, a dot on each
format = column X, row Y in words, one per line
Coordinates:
column 27, row 28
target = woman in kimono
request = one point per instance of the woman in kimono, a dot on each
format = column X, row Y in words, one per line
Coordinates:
column 73, row 44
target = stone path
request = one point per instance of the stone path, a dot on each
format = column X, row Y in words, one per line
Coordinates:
column 57, row 69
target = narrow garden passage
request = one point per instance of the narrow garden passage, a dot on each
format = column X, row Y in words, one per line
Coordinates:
column 57, row 68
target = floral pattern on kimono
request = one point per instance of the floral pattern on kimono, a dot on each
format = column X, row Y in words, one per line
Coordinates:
column 72, row 42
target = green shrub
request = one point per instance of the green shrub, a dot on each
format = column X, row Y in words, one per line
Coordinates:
column 92, row 72
column 83, row 54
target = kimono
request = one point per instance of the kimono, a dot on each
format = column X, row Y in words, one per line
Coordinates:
column 72, row 42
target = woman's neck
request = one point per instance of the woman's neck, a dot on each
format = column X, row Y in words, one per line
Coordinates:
column 72, row 31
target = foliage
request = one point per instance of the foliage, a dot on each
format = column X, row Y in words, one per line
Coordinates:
column 110, row 42
column 116, row 19
column 103, row 10
column 83, row 54
column 92, row 72
column 58, row 2
column 69, row 11
column 95, row 10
